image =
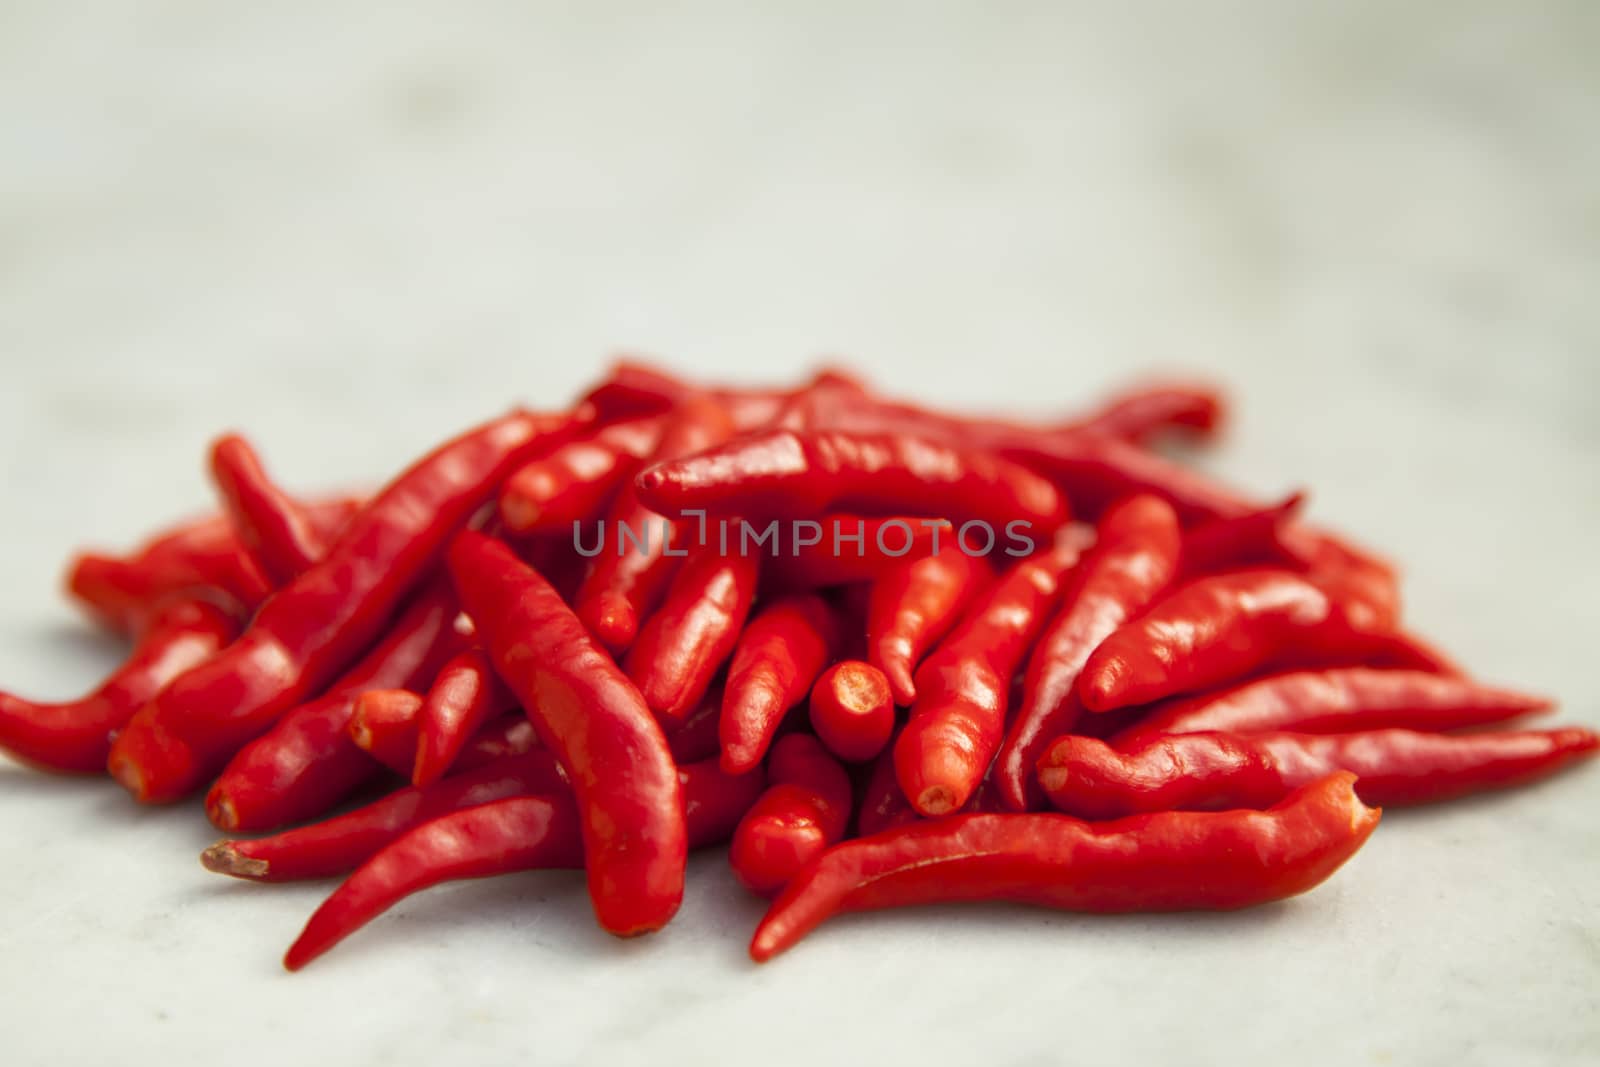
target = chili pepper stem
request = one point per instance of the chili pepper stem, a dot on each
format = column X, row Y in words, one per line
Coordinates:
column 223, row 858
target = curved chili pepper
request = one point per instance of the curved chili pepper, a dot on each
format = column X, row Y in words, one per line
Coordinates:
column 633, row 566
column 499, row 837
column 883, row 803
column 278, row 534
column 1169, row 861
column 592, row 717
column 852, row 548
column 1213, row 630
column 384, row 726
column 912, row 606
column 1250, row 540
column 1134, row 557
column 312, row 628
column 341, row 844
column 578, row 480
column 1213, row 771
column 806, row 808
column 852, row 710
column 962, row 688
column 786, row 473
column 465, row 694
column 780, row 653
column 692, row 634
column 75, row 736
column 1338, row 701
column 307, row 762
column 1147, row 411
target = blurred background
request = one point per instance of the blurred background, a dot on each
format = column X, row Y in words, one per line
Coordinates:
column 351, row 229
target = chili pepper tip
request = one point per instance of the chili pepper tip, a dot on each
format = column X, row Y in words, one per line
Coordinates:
column 224, row 858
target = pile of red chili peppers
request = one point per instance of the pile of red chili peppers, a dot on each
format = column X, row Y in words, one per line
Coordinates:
column 888, row 656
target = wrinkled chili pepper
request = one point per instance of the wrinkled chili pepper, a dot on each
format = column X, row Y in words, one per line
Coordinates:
column 633, row 565
column 1213, row 771
column 1135, row 556
column 500, row 837
column 1342, row 700
column 75, row 736
column 959, row 717
column 341, row 844
column 307, row 762
column 680, row 648
column 852, row 710
column 780, row 653
column 912, row 606
column 1168, row 861
column 805, row 808
column 783, row 473
column 593, row 719
column 464, row 695
column 1145, row 412
column 853, row 548
column 311, row 629
column 1253, row 539
column 577, row 480
column 279, row 535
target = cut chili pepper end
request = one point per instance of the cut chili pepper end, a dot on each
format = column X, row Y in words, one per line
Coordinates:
column 224, row 858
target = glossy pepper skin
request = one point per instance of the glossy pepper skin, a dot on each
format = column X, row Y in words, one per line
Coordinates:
column 959, row 717
column 75, row 736
column 577, row 480
column 1134, row 558
column 464, row 696
column 499, row 837
column 852, row 710
column 306, row 633
column 277, row 533
column 784, row 473
column 591, row 716
column 1213, row 630
column 780, row 653
column 384, row 725
column 1254, row 539
column 1213, row 771
column 805, row 809
column 854, row 548
column 633, row 568
column 692, row 634
column 912, row 606
column 1169, row 861
column 1335, row 701
column 306, row 762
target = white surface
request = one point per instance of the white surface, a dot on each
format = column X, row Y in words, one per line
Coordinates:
column 350, row 233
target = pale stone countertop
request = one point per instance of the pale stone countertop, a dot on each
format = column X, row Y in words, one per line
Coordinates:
column 349, row 230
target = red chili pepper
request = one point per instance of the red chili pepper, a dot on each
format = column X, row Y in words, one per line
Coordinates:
column 883, row 803
column 1169, row 861
column 1213, row 630
column 310, row 630
column 783, row 473
column 75, row 736
column 464, row 696
column 634, row 389
column 510, row 735
column 912, row 606
column 960, row 714
column 1146, row 412
column 805, row 809
column 850, row 548
column 780, row 653
column 1338, row 701
column 499, row 837
column 695, row 738
column 1250, row 540
column 633, row 566
column 592, row 717
column 307, row 762
column 1213, row 771
column 1134, row 558
column 384, row 726
column 693, row 633
column 281, row 537
column 852, row 710
column 341, row 844
column 578, row 480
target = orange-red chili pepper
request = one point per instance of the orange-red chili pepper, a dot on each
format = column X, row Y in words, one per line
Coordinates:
column 1169, row 861
column 464, row 696
column 577, row 480
column 75, row 736
column 633, row 564
column 912, row 606
column 680, row 648
column 1135, row 556
column 852, row 710
column 780, row 653
column 593, row 719
column 959, row 717
column 310, row 630
column 1213, row 771
column 805, row 809
column 1338, row 701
